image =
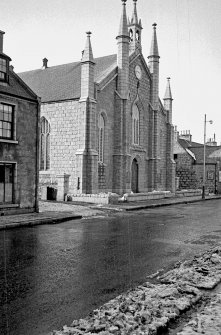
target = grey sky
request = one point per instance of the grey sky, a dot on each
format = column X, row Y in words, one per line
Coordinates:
column 189, row 39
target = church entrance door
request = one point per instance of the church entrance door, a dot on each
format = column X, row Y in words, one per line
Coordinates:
column 134, row 176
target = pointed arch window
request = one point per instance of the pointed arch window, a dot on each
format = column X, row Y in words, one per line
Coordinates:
column 135, row 125
column 45, row 144
column 101, row 139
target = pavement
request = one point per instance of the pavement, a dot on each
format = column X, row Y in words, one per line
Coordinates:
column 52, row 212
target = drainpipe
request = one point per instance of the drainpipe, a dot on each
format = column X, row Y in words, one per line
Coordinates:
column 37, row 156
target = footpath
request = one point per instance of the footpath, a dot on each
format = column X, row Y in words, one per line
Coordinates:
column 52, row 212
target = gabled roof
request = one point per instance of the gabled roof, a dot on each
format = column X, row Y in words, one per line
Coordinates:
column 210, row 150
column 62, row 82
column 216, row 154
column 188, row 144
column 17, row 87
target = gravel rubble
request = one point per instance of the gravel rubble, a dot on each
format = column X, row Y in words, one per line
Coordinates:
column 149, row 308
column 208, row 321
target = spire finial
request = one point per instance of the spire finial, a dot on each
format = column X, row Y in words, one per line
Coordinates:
column 168, row 94
column 154, row 46
column 87, row 54
column 123, row 30
column 134, row 19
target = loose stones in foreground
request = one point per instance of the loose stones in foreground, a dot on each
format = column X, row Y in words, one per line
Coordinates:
column 149, row 307
column 208, row 321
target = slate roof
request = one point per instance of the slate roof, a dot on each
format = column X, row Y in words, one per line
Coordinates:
column 17, row 87
column 188, row 144
column 197, row 149
column 62, row 82
column 209, row 150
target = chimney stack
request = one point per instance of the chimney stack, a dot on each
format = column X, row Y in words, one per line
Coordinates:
column 45, row 63
column 1, row 41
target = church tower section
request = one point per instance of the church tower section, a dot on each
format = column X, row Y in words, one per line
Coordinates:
column 168, row 100
column 121, row 105
column 135, row 27
column 86, row 155
column 153, row 62
column 170, row 164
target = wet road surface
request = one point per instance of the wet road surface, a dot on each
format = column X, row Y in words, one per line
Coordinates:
column 53, row 274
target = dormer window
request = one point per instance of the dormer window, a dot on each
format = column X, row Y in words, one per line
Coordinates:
column 3, row 69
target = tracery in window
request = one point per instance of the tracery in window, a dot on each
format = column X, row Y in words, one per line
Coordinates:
column 101, row 139
column 135, row 125
column 45, row 144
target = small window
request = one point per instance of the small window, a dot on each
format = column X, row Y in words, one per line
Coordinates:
column 135, row 125
column 101, row 139
column 6, row 121
column 6, row 182
column 45, row 144
column 3, row 69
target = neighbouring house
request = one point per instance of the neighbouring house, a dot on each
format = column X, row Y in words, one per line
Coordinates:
column 19, row 128
column 189, row 158
column 103, row 126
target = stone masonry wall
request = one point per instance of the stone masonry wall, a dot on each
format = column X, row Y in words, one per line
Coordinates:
column 187, row 178
column 105, row 107
column 65, row 138
column 23, row 153
column 139, row 94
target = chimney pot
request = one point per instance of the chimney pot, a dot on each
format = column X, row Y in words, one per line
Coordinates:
column 45, row 63
column 1, row 40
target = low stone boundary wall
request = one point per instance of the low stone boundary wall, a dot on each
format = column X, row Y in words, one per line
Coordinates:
column 101, row 198
column 113, row 198
column 131, row 197
column 190, row 193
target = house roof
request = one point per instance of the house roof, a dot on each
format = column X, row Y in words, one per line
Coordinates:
column 62, row 82
column 17, row 87
column 216, row 154
column 196, row 150
column 188, row 144
column 199, row 152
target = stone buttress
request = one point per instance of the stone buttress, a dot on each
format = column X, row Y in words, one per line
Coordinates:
column 121, row 106
column 153, row 62
column 86, row 155
column 168, row 101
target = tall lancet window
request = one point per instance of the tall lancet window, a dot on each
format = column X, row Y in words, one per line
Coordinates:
column 135, row 125
column 45, row 144
column 101, row 139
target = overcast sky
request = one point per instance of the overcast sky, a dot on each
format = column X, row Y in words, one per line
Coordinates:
column 189, row 40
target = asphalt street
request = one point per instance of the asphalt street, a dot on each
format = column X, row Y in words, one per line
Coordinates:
column 52, row 274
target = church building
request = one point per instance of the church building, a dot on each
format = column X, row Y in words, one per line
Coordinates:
column 103, row 127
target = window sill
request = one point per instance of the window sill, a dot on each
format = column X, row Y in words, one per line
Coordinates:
column 3, row 140
column 45, row 171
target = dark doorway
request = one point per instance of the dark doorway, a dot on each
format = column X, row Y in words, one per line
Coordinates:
column 134, row 176
column 51, row 193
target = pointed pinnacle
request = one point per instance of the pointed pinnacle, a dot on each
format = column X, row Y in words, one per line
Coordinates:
column 134, row 18
column 168, row 94
column 87, row 55
column 123, row 29
column 154, row 46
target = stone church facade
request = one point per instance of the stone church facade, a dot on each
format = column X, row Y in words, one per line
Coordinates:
column 103, row 126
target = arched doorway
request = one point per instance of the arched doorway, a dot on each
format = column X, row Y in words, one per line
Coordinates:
column 134, row 176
